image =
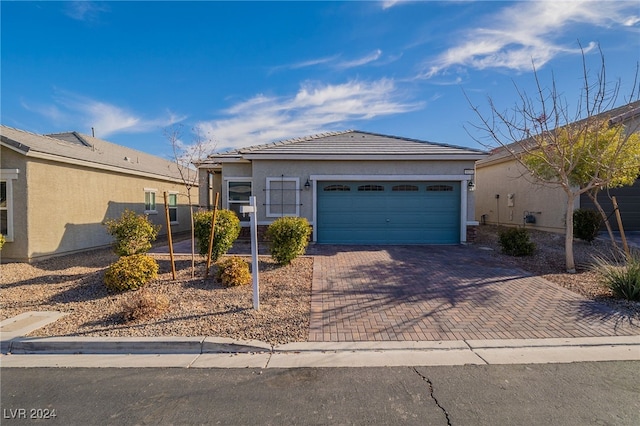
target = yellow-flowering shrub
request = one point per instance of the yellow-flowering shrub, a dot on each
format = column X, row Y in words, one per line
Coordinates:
column 131, row 272
column 233, row 271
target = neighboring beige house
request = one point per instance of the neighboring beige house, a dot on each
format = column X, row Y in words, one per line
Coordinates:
column 57, row 190
column 508, row 195
column 353, row 187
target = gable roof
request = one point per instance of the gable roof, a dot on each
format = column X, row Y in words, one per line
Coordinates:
column 83, row 150
column 623, row 114
column 349, row 145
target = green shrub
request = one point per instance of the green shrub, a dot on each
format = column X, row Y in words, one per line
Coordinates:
column 227, row 231
column 516, row 242
column 133, row 233
column 233, row 271
column 622, row 278
column 586, row 224
column 289, row 237
column 2, row 241
column 131, row 272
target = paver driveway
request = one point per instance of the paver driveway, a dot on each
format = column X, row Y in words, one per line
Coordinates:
column 443, row 293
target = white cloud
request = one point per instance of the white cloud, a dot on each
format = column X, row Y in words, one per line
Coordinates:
column 315, row 108
column 332, row 62
column 524, row 33
column 77, row 112
column 84, row 10
column 314, row 62
column 387, row 4
column 373, row 56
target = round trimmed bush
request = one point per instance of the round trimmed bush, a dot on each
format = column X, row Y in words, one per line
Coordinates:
column 289, row 237
column 227, row 231
column 131, row 272
column 234, row 271
column 133, row 233
column 586, row 224
column 516, row 242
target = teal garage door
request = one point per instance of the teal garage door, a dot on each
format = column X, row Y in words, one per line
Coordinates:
column 388, row 212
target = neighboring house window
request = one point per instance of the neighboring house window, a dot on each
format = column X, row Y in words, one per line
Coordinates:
column 173, row 208
column 238, row 193
column 6, row 202
column 150, row 200
column 283, row 196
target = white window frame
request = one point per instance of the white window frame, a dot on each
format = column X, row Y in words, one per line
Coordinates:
column 169, row 194
column 153, row 191
column 296, row 191
column 244, row 222
column 8, row 176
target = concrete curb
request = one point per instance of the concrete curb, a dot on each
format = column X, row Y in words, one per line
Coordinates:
column 134, row 345
column 221, row 352
column 210, row 352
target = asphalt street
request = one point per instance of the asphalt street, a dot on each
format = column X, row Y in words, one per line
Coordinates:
column 602, row 393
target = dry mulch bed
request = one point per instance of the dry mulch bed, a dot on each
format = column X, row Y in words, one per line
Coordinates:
column 202, row 307
column 197, row 306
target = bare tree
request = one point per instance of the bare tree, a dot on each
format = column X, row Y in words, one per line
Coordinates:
column 185, row 156
column 579, row 152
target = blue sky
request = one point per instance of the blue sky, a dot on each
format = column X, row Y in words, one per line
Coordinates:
column 245, row 73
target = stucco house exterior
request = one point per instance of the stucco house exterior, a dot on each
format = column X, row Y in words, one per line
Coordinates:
column 353, row 187
column 58, row 189
column 508, row 195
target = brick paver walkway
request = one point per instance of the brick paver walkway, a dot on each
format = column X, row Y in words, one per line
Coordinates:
column 443, row 293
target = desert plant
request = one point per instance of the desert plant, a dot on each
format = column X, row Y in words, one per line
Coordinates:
column 516, row 242
column 226, row 232
column 131, row 272
column 233, row 271
column 586, row 224
column 2, row 241
column 623, row 278
column 143, row 304
column 289, row 237
column 133, row 233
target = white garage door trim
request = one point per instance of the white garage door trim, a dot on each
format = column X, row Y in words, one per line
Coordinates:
column 463, row 179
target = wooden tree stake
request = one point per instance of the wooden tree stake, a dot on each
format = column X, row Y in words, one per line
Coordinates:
column 211, row 236
column 166, row 214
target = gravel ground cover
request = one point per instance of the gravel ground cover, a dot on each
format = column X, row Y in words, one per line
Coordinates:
column 202, row 307
column 197, row 306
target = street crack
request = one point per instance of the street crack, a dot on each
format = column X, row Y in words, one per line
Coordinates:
column 433, row 397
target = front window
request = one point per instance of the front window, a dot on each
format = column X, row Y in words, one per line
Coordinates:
column 150, row 200
column 173, row 208
column 4, row 210
column 7, row 176
column 238, row 193
column 283, row 197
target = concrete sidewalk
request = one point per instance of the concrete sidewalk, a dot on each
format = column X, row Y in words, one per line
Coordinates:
column 212, row 352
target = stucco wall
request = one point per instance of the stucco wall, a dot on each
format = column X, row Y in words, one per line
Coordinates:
column 260, row 170
column 546, row 204
column 66, row 206
column 12, row 160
